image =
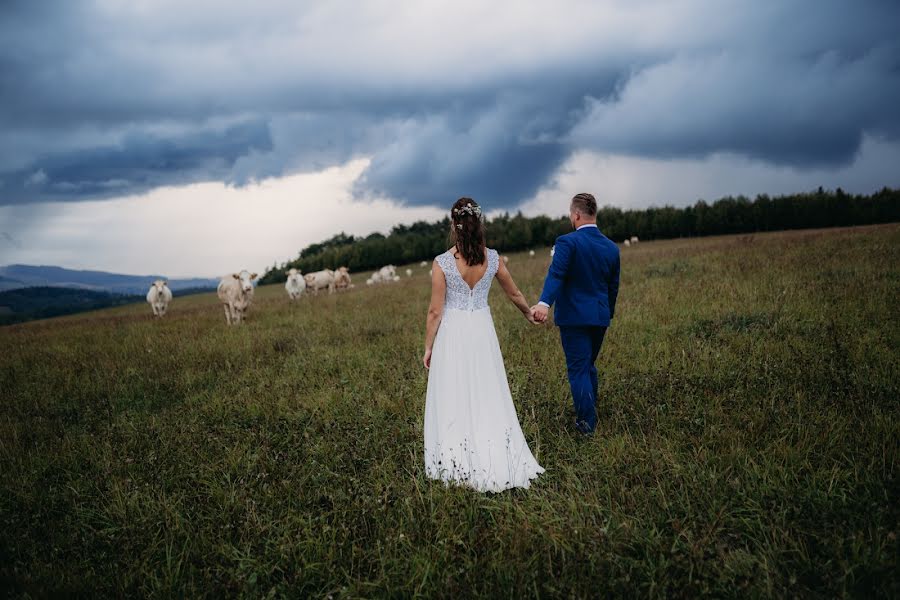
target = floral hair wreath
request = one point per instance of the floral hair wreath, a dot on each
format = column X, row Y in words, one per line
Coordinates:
column 468, row 209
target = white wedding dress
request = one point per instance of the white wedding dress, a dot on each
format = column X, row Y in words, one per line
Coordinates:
column 472, row 433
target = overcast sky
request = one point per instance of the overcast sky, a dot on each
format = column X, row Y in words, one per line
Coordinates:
column 197, row 138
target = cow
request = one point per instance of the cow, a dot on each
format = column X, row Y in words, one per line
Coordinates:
column 627, row 243
column 342, row 279
column 409, row 272
column 423, row 264
column 159, row 297
column 236, row 293
column 634, row 239
column 552, row 250
column 505, row 259
column 295, row 284
column 319, row 280
column 531, row 253
column 384, row 275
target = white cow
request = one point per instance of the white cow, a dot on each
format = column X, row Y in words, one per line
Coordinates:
column 424, row 263
column 319, row 280
column 342, row 279
column 384, row 275
column 634, row 239
column 531, row 253
column 627, row 243
column 505, row 259
column 159, row 297
column 409, row 272
column 295, row 284
column 552, row 250
column 236, row 293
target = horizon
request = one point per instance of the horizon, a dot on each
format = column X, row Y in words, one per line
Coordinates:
column 359, row 237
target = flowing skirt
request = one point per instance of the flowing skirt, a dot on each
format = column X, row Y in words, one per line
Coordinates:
column 472, row 433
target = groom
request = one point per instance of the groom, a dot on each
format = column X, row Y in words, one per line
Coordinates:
column 583, row 281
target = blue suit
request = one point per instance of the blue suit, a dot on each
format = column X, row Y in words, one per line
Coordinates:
column 583, row 282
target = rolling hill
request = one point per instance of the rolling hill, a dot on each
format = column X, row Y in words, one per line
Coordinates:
column 20, row 276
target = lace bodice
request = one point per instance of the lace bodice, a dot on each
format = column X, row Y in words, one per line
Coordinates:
column 459, row 295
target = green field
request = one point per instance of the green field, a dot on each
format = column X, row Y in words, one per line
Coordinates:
column 748, row 442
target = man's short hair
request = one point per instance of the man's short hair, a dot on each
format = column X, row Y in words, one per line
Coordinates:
column 585, row 204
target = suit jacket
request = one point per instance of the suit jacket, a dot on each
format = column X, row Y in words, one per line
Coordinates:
column 583, row 279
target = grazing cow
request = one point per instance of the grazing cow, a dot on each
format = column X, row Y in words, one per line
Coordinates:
column 384, row 275
column 342, row 279
column 396, row 278
column 552, row 250
column 409, row 272
column 236, row 293
column 627, row 243
column 531, row 253
column 505, row 259
column 423, row 264
column 295, row 284
column 319, row 280
column 634, row 239
column 159, row 297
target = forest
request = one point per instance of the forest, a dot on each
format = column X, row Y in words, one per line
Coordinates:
column 423, row 241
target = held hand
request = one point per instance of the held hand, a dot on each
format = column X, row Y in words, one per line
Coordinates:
column 539, row 313
column 426, row 360
column 530, row 316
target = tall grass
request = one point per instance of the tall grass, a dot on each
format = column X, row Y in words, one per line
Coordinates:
column 748, row 440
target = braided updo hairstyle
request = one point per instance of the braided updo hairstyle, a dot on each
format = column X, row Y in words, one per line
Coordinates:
column 467, row 230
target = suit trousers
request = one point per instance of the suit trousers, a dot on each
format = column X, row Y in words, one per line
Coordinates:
column 581, row 345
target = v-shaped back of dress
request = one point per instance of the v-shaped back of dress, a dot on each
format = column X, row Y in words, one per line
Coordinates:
column 459, row 295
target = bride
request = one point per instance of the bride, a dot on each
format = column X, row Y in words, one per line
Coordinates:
column 472, row 433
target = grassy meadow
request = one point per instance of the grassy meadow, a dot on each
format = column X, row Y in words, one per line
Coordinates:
column 748, row 441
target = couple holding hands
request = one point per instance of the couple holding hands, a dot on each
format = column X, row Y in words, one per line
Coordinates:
column 472, row 432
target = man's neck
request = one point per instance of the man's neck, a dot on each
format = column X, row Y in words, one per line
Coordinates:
column 591, row 224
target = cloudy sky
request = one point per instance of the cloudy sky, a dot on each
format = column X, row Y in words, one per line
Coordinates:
column 196, row 138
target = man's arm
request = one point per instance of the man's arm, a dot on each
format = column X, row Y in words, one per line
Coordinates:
column 556, row 275
column 613, row 286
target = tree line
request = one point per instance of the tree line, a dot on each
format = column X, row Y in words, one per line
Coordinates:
column 423, row 241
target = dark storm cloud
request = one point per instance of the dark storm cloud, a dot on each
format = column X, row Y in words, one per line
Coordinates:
column 139, row 163
column 104, row 100
column 802, row 112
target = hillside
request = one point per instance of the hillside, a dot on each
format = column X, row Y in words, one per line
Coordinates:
column 18, row 276
column 25, row 304
column 746, row 445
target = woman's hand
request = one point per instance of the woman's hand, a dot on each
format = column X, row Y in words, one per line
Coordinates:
column 426, row 360
column 539, row 313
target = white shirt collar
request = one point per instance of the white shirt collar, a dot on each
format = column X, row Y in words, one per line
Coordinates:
column 594, row 225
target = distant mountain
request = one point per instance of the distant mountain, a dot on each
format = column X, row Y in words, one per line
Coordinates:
column 30, row 303
column 7, row 283
column 21, row 276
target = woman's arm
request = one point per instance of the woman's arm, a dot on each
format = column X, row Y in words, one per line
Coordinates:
column 435, row 310
column 512, row 291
